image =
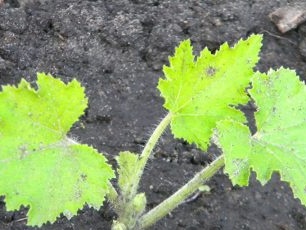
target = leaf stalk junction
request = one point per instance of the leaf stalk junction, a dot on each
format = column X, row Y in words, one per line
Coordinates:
column 161, row 210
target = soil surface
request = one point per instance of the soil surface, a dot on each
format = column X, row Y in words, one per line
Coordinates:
column 117, row 49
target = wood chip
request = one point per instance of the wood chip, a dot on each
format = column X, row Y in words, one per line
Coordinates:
column 288, row 18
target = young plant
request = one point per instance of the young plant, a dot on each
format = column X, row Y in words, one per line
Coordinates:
column 43, row 169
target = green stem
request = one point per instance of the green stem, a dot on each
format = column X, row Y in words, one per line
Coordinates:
column 127, row 215
column 148, row 150
column 154, row 137
column 179, row 196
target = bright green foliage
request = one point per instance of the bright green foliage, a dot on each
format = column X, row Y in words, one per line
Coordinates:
column 40, row 166
column 279, row 143
column 201, row 92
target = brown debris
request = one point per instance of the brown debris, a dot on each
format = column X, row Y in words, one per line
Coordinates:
column 288, row 18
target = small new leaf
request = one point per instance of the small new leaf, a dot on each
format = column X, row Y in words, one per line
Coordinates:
column 40, row 166
column 279, row 143
column 201, row 92
column 127, row 170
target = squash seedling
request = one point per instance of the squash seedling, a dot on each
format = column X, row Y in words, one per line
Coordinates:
column 45, row 170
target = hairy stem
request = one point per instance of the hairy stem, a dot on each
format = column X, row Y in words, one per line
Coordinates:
column 179, row 196
column 148, row 150
column 128, row 216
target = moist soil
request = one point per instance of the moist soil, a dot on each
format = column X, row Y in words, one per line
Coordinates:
column 116, row 49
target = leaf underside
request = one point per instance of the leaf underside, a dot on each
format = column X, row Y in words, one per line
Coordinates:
column 279, row 143
column 40, row 166
column 201, row 92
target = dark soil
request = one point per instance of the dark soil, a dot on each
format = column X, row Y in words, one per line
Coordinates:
column 117, row 49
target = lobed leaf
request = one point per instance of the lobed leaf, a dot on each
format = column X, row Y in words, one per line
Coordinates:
column 279, row 143
column 201, row 92
column 40, row 167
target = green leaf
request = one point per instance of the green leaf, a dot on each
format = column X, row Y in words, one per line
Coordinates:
column 279, row 143
column 200, row 93
column 40, row 166
column 131, row 205
column 127, row 171
column 139, row 203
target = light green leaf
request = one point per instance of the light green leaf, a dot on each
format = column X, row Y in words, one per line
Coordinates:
column 279, row 143
column 40, row 166
column 127, row 171
column 139, row 203
column 131, row 205
column 201, row 92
